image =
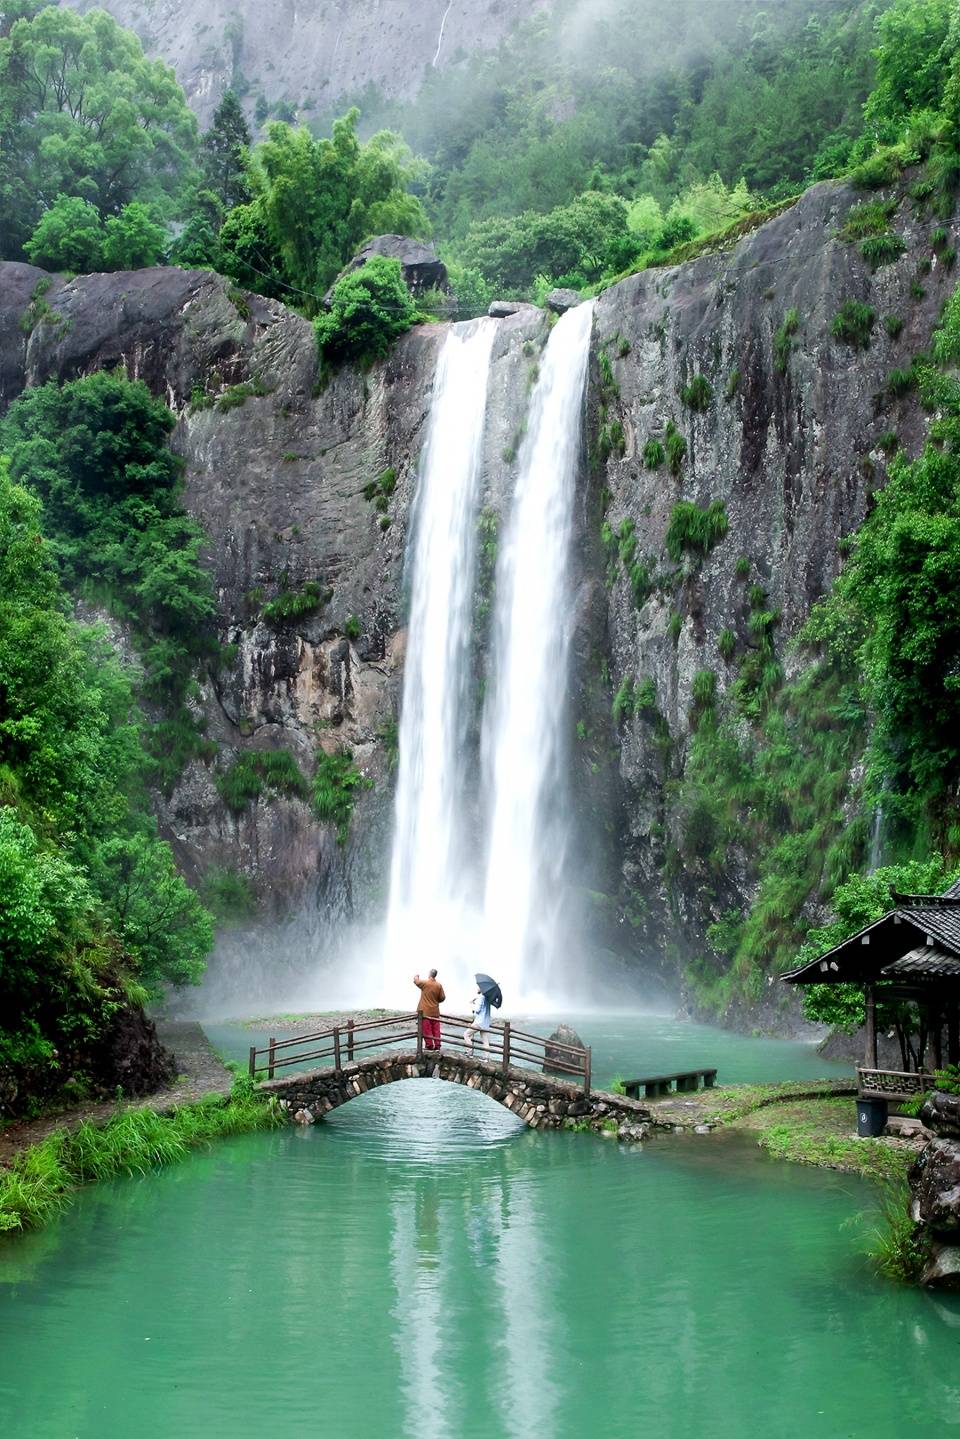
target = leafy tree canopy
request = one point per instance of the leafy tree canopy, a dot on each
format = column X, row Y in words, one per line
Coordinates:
column 84, row 114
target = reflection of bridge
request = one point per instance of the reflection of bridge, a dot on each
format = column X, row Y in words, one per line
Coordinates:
column 542, row 1081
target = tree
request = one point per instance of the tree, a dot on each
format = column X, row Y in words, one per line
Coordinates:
column 223, row 154
column 132, row 240
column 68, row 236
column 913, row 60
column 369, row 308
column 318, row 200
column 84, row 114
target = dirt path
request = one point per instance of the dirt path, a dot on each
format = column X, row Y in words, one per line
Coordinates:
column 200, row 1072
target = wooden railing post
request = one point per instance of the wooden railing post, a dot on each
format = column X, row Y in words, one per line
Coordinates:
column 336, row 1047
column 419, row 1035
column 270, row 1057
column 587, row 1069
column 506, row 1044
column 253, row 1061
column 349, row 1041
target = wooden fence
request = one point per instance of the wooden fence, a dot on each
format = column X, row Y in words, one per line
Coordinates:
column 342, row 1044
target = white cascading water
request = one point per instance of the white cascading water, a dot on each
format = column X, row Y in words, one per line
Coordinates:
column 428, row 874
column 531, row 820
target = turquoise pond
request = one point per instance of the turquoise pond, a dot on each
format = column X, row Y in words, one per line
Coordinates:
column 422, row 1265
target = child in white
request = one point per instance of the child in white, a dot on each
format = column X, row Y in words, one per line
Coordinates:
column 481, row 1021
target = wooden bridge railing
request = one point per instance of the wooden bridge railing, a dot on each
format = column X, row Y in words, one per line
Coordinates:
column 343, row 1043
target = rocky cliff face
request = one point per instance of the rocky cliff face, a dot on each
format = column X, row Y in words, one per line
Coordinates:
column 312, row 56
column 276, row 473
column 790, row 448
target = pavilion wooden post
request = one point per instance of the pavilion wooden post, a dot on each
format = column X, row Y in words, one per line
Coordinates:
column 935, row 1022
column 953, row 1032
column 271, row 1057
column 870, row 1017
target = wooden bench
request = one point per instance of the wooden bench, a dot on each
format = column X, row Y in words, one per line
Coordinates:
column 656, row 1085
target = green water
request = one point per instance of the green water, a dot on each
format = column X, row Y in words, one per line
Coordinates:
column 422, row 1265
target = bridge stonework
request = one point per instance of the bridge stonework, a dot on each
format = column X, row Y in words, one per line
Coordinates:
column 541, row 1101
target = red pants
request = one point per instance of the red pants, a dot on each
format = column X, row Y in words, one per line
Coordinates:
column 431, row 1032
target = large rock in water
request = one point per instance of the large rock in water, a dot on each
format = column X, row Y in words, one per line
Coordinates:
column 422, row 268
column 554, row 1057
column 935, row 1193
column 559, row 301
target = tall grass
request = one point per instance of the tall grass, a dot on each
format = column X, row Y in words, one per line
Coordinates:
column 895, row 1244
column 42, row 1178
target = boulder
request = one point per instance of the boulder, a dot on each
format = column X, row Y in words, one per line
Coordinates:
column 942, row 1270
column 935, row 1186
column 941, row 1113
column 422, row 268
column 563, row 1034
column 500, row 309
column 560, row 301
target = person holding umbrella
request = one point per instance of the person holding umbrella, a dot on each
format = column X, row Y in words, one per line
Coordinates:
column 488, row 993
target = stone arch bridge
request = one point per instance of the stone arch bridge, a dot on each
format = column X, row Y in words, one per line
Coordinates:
column 542, row 1100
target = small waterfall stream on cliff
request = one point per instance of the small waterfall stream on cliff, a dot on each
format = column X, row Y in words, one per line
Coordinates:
column 428, row 869
column 526, row 724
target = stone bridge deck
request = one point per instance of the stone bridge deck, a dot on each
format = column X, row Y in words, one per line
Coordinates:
column 541, row 1101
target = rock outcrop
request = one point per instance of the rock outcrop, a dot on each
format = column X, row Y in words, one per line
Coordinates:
column 422, row 267
column 935, row 1191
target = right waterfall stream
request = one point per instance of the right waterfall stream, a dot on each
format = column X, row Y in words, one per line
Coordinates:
column 526, row 727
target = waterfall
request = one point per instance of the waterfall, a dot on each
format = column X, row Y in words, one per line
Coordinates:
column 427, row 877
column 526, row 728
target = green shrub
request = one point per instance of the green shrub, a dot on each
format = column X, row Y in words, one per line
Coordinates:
column 879, row 250
column 675, row 626
column 783, row 341
column 917, row 291
column 887, row 442
column 901, row 382
column 256, row 772
column 653, row 454
column 294, row 604
column 852, row 323
column 704, row 689
column 369, row 308
column 623, row 701
column 742, row 567
column 352, row 627
column 732, row 385
column 236, row 395
column 872, row 217
column 726, row 643
column 698, row 394
column 676, row 449
column 878, row 170
column 229, row 896
column 893, row 325
column 695, row 529
column 336, row 786
column 756, row 597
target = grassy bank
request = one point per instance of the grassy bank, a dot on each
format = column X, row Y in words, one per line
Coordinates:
column 42, row 1179
column 818, row 1131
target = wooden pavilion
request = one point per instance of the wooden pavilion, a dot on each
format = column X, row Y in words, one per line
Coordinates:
column 910, row 955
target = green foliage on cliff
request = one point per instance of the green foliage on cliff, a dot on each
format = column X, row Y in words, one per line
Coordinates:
column 369, row 308
column 695, row 528
column 95, row 451
column 337, row 785
column 91, row 905
column 257, row 772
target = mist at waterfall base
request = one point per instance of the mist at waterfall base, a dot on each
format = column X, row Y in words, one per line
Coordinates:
column 484, row 868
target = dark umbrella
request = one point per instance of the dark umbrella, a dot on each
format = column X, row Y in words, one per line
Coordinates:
column 490, row 988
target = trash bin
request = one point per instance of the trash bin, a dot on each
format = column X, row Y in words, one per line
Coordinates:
column 871, row 1117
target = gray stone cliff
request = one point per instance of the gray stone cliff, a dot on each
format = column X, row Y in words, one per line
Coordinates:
column 278, row 481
